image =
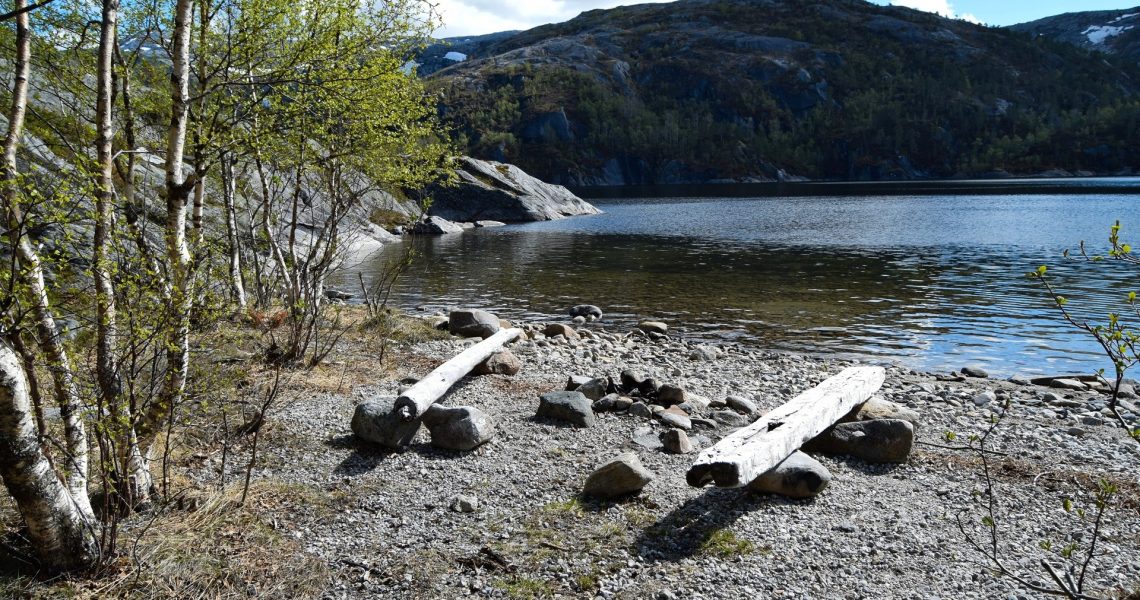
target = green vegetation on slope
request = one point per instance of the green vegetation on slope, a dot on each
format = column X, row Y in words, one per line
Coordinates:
column 843, row 89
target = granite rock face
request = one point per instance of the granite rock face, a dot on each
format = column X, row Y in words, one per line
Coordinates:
column 497, row 191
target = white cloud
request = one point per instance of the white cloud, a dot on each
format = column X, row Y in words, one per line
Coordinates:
column 938, row 7
column 473, row 17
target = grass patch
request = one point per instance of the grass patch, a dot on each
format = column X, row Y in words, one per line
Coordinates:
column 572, row 507
column 724, row 544
column 525, row 588
column 224, row 550
column 387, row 218
column 399, row 328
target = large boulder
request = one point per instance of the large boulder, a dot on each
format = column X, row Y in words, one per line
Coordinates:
column 472, row 323
column 621, row 476
column 798, row 476
column 435, row 226
column 570, row 407
column 502, row 192
column 877, row 441
column 458, row 428
column 378, row 422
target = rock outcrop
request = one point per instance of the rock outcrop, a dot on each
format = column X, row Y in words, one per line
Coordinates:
column 496, row 191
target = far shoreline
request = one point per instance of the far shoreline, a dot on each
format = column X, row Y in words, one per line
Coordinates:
column 1122, row 185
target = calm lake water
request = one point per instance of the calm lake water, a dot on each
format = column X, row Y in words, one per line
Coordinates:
column 934, row 282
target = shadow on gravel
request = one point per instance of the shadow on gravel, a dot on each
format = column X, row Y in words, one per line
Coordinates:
column 696, row 526
column 867, row 468
column 365, row 456
column 363, row 459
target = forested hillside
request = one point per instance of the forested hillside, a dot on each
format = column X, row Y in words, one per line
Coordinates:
column 701, row 90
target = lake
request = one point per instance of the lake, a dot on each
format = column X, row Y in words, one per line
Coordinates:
column 933, row 281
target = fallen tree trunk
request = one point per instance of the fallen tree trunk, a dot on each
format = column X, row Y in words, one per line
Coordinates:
column 750, row 452
column 417, row 399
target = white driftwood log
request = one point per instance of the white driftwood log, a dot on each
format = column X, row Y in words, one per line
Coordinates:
column 418, row 398
column 751, row 451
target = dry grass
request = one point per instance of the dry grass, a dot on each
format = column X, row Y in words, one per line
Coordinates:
column 222, row 550
column 203, row 544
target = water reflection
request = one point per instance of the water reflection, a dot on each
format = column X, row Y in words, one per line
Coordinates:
column 918, row 281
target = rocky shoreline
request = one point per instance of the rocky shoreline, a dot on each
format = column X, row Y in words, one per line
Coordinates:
column 509, row 520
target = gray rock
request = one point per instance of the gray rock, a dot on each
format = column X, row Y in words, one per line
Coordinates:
column 464, row 504
column 631, row 380
column 985, row 398
column 503, row 362
column 435, row 226
column 594, row 389
column 622, row 403
column 460, row 428
column 472, row 323
column 730, row 418
column 696, row 403
column 674, row 419
column 640, row 409
column 558, row 329
column 649, row 387
column 607, row 403
column 881, row 441
column 1020, row 380
column 586, row 311
column 621, row 476
column 670, row 394
column 492, row 190
column 676, row 441
column 706, row 423
column 571, row 407
column 741, row 404
column 644, row 437
column 576, row 381
column 877, row 409
column 978, row 372
column 579, row 320
column 798, row 476
column 376, row 421
column 653, row 327
column 1069, row 384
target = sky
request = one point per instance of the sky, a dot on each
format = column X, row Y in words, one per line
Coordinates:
column 473, row 17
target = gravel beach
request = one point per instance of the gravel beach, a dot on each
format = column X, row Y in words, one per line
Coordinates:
column 507, row 520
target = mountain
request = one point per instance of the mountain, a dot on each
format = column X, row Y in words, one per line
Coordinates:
column 1112, row 32
column 748, row 90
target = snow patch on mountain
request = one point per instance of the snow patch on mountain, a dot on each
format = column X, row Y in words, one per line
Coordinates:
column 1097, row 34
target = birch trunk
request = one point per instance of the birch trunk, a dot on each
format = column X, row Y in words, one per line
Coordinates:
column 61, row 533
column 105, row 370
column 59, row 363
column 177, row 252
column 229, row 192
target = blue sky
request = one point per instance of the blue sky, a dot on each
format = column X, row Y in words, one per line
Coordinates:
column 1008, row 12
column 471, row 17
